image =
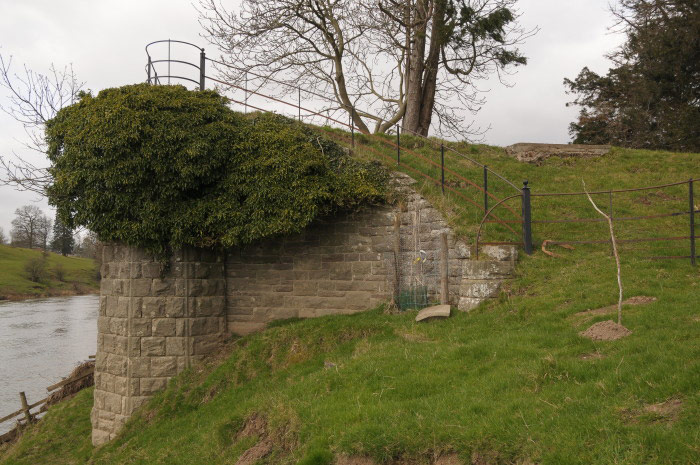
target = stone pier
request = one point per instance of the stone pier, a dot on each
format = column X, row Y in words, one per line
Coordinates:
column 154, row 322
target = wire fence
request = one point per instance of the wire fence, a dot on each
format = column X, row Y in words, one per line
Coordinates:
column 476, row 194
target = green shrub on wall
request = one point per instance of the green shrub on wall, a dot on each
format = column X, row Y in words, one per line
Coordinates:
column 161, row 167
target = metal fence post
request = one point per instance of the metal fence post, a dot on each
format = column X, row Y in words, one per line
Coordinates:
column 149, row 69
column 245, row 93
column 398, row 145
column 442, row 167
column 486, row 189
column 692, row 221
column 527, row 218
column 202, row 74
column 299, row 101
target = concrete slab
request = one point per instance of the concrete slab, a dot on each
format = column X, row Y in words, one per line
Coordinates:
column 436, row 311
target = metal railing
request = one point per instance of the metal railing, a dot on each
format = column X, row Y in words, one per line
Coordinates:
column 528, row 222
column 447, row 174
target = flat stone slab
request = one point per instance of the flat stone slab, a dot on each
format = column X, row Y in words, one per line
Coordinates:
column 436, row 311
column 536, row 153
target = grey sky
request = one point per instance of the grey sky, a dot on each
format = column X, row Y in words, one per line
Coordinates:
column 104, row 41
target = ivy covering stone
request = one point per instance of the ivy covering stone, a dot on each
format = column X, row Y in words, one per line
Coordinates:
column 161, row 167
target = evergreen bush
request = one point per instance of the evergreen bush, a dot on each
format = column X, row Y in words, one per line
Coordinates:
column 161, row 167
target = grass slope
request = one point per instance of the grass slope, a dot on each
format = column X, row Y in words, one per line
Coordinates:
column 80, row 274
column 510, row 382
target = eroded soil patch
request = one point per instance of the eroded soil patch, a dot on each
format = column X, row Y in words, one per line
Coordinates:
column 637, row 300
column 662, row 412
column 606, row 331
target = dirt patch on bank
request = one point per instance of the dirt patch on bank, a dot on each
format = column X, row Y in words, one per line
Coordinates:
column 606, row 331
column 637, row 300
column 667, row 412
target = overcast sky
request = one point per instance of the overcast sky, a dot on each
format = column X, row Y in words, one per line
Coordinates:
column 104, row 40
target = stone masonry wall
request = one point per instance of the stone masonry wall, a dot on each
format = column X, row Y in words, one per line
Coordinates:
column 150, row 327
column 154, row 324
column 341, row 265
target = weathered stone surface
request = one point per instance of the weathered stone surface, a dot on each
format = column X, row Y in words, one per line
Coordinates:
column 155, row 322
column 145, row 328
column 536, row 153
column 436, row 311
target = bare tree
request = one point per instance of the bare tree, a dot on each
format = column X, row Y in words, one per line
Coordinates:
column 3, row 239
column 29, row 228
column 34, row 98
column 380, row 60
column 44, row 232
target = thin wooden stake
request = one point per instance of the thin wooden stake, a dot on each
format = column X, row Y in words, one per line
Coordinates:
column 397, row 260
column 25, row 407
column 617, row 254
column 444, row 276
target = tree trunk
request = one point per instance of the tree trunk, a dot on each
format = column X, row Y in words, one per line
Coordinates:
column 414, row 74
column 422, row 82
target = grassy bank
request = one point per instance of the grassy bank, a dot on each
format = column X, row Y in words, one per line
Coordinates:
column 77, row 275
column 511, row 382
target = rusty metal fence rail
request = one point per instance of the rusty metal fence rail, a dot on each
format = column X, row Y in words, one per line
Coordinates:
column 486, row 193
column 478, row 188
column 530, row 225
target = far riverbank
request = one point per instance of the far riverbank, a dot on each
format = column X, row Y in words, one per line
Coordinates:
column 52, row 275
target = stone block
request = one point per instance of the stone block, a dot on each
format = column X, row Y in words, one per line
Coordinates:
column 163, row 327
column 204, row 325
column 140, row 327
column 150, row 386
column 151, row 270
column 151, row 346
column 361, row 269
column 305, row 288
column 468, row 303
column 486, row 269
column 141, row 287
column 242, row 328
column 206, row 344
column 117, row 326
column 140, row 367
column 341, row 271
column 163, row 366
column 175, row 346
column 115, row 344
column 100, row 437
column 479, row 289
column 162, row 287
column 357, row 300
column 111, row 402
column 175, row 307
column 153, row 307
column 121, row 386
column 499, row 252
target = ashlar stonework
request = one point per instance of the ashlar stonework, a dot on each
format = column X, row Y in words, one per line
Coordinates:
column 155, row 322
column 152, row 326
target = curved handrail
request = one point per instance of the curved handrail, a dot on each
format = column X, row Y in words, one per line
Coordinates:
column 170, row 41
column 488, row 213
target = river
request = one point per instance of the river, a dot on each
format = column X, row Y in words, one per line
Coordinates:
column 41, row 341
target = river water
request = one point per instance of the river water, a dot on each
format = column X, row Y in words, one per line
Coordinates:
column 41, row 341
